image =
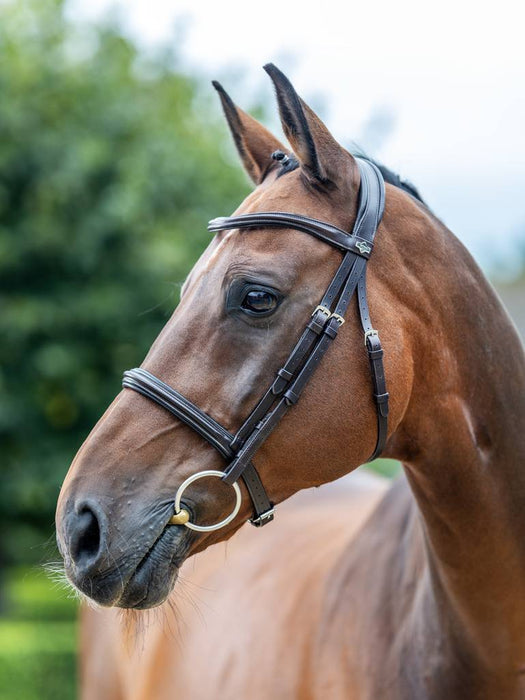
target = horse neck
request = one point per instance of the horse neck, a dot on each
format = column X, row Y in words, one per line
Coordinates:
column 461, row 438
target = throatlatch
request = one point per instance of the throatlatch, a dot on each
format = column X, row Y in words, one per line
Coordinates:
column 292, row 377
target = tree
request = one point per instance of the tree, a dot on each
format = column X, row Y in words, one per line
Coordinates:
column 110, row 166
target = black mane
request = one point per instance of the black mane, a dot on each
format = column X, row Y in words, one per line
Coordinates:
column 394, row 179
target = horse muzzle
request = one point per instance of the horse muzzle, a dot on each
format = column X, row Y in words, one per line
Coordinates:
column 122, row 562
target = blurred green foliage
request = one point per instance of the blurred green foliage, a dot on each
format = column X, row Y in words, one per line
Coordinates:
column 388, row 468
column 37, row 639
column 111, row 163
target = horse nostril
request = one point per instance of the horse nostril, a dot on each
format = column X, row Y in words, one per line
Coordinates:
column 85, row 538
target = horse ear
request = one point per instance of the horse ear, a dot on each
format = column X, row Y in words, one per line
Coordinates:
column 319, row 153
column 255, row 144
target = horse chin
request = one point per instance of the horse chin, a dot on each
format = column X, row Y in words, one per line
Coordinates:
column 153, row 579
column 141, row 585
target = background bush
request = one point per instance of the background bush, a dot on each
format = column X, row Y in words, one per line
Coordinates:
column 111, row 164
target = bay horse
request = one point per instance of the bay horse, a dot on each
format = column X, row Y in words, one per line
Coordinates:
column 355, row 590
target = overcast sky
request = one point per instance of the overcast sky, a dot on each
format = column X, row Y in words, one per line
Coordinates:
column 435, row 91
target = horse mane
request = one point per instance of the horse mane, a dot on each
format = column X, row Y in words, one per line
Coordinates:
column 391, row 177
column 394, row 179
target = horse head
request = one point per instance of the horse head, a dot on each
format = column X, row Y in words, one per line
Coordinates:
column 242, row 309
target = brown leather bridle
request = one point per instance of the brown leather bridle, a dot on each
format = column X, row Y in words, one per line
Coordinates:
column 293, row 376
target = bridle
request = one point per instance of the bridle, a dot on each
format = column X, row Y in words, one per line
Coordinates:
column 292, row 377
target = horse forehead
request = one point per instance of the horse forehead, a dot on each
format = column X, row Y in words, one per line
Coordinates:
column 268, row 250
column 287, row 193
column 216, row 253
column 290, row 193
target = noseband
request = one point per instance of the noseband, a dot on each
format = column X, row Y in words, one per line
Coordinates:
column 290, row 380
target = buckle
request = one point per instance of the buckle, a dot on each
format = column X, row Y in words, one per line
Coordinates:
column 326, row 311
column 263, row 518
column 370, row 333
column 340, row 320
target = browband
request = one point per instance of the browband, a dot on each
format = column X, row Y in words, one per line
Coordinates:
column 276, row 219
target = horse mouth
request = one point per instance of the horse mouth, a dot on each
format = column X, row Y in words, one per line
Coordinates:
column 155, row 575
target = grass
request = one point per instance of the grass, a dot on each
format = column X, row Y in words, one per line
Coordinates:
column 38, row 635
column 385, row 467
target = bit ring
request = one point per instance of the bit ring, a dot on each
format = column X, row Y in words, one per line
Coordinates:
column 221, row 523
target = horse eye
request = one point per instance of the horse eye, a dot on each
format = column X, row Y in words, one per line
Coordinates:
column 259, row 301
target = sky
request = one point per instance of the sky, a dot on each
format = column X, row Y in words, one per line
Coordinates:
column 436, row 91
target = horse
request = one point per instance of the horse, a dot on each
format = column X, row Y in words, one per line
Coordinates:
column 358, row 589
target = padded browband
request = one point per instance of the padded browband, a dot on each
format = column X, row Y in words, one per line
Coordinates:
column 308, row 351
column 276, row 219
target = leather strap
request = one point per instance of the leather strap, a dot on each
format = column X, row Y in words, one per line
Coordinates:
column 276, row 219
column 145, row 383
column 375, row 356
column 320, row 331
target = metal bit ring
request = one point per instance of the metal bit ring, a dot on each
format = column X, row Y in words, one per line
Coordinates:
column 205, row 528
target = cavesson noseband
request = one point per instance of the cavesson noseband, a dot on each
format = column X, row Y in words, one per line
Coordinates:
column 292, row 377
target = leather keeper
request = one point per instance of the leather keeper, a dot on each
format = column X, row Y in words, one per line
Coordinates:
column 283, row 377
column 375, row 354
column 331, row 329
column 315, row 326
column 291, row 397
column 382, row 403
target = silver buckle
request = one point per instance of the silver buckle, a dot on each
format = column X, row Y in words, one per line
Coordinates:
column 326, row 311
column 263, row 517
column 340, row 320
column 370, row 333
